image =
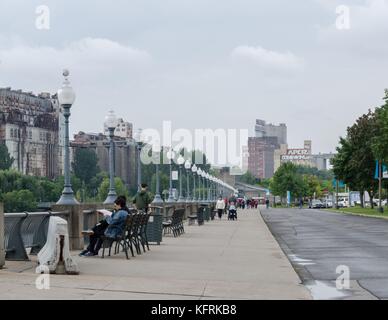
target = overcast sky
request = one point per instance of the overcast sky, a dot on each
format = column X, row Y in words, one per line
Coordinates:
column 204, row 63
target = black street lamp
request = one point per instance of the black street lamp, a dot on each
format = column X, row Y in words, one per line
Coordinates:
column 111, row 123
column 66, row 98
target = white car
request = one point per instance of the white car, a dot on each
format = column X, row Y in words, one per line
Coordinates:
column 342, row 203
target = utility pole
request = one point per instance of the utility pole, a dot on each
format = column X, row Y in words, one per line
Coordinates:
column 336, row 193
column 381, row 209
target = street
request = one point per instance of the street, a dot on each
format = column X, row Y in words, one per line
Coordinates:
column 317, row 242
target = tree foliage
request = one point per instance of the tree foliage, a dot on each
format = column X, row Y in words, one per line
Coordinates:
column 5, row 159
column 286, row 179
column 85, row 164
column 355, row 160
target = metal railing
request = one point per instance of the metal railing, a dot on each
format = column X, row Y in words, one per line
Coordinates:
column 26, row 230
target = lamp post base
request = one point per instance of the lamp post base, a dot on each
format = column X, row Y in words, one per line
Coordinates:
column 110, row 199
column 67, row 198
column 157, row 199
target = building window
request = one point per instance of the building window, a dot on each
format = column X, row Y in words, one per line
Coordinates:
column 11, row 133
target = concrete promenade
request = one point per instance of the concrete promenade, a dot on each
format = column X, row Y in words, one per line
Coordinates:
column 220, row 260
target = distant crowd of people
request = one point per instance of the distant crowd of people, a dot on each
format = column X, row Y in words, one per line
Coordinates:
column 229, row 206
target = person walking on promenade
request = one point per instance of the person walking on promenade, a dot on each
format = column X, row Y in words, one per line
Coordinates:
column 267, row 203
column 232, row 212
column 111, row 226
column 142, row 200
column 220, row 206
column 301, row 203
column 226, row 205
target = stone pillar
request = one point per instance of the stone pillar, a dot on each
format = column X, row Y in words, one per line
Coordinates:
column 2, row 250
column 75, row 224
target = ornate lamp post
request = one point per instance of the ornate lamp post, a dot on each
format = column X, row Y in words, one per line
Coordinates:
column 212, row 188
column 208, row 187
column 194, row 171
column 180, row 162
column 66, row 98
column 157, row 198
column 111, row 122
column 170, row 156
column 188, row 169
column 139, row 146
column 204, row 186
column 199, row 173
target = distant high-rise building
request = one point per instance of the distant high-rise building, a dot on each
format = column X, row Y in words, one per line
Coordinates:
column 263, row 129
column 268, row 138
column 261, row 156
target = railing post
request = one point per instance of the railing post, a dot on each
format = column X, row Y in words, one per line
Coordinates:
column 2, row 250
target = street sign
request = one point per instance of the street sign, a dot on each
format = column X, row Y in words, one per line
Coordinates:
column 384, row 169
column 341, row 184
column 288, row 197
column 174, row 175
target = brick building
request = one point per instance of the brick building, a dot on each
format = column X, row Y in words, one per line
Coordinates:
column 261, row 156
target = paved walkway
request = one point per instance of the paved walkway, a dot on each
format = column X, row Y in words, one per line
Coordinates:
column 220, row 260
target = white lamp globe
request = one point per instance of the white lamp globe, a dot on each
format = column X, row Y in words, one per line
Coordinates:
column 170, row 154
column 111, row 120
column 66, row 95
column 187, row 164
column 194, row 168
column 138, row 135
column 180, row 160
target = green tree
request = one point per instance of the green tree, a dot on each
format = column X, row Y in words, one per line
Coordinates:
column 85, row 164
column 312, row 186
column 19, row 201
column 104, row 188
column 286, row 179
column 355, row 161
column 380, row 141
column 5, row 159
column 248, row 178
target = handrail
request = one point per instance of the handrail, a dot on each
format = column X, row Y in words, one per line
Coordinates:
column 26, row 229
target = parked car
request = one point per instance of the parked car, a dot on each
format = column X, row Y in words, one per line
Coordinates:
column 316, row 204
column 342, row 203
column 327, row 203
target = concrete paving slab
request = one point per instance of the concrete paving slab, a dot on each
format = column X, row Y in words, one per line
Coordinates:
column 219, row 260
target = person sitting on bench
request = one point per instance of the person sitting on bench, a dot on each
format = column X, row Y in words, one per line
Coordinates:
column 110, row 227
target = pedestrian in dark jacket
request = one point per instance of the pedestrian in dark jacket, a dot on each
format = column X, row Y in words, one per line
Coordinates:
column 142, row 200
